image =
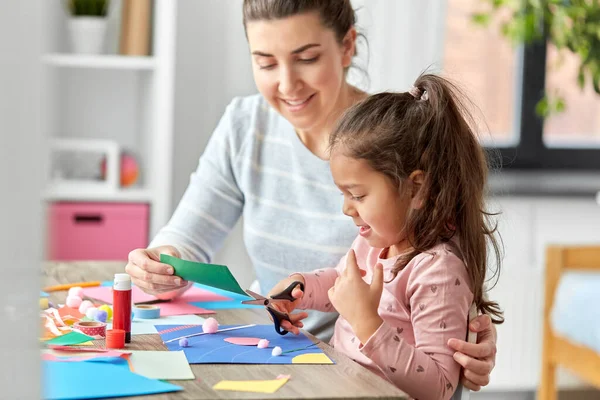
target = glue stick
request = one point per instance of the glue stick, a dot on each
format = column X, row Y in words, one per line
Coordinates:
column 122, row 304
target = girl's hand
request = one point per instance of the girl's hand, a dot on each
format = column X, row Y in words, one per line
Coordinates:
column 478, row 360
column 289, row 306
column 356, row 300
column 152, row 276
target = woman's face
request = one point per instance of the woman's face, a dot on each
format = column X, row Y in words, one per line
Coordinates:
column 299, row 67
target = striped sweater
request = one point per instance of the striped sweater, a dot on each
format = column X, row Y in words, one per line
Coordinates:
column 255, row 165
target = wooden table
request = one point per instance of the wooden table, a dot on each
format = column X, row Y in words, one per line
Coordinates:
column 345, row 379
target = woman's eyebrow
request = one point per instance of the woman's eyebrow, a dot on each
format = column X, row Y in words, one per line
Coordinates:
column 296, row 51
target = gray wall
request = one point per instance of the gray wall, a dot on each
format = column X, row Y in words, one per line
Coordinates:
column 21, row 174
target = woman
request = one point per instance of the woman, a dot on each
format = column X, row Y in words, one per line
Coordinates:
column 267, row 161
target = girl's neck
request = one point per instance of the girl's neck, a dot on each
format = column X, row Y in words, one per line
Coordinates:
column 316, row 139
column 396, row 249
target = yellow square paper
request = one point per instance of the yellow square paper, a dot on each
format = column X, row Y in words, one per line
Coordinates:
column 270, row 386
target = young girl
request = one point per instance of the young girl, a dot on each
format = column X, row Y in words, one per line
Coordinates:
column 413, row 177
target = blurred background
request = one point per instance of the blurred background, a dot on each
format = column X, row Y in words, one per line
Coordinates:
column 103, row 120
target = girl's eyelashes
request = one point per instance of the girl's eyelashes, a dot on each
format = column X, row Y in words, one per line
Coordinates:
column 309, row 60
column 357, row 198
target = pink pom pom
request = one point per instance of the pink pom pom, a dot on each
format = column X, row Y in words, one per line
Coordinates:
column 210, row 325
column 73, row 301
column 76, row 291
column 83, row 307
column 263, row 344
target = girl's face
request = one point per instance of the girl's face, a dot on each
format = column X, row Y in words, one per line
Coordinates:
column 372, row 200
column 299, row 66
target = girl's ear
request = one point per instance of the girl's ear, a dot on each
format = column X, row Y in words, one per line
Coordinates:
column 349, row 47
column 417, row 179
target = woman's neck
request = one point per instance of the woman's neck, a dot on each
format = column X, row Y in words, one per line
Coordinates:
column 316, row 139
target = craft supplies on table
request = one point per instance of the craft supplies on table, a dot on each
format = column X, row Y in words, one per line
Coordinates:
column 122, row 305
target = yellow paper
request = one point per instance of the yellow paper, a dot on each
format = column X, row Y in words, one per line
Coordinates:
column 88, row 343
column 312, row 358
column 251, row 386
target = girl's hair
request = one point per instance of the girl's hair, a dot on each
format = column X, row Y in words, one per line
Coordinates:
column 337, row 15
column 429, row 128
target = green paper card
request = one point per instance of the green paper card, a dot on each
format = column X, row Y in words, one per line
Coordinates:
column 69, row 339
column 213, row 275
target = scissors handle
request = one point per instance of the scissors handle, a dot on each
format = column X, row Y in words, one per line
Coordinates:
column 277, row 318
column 286, row 294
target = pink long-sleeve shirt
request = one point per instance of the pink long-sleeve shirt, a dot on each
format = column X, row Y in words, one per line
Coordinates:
column 424, row 306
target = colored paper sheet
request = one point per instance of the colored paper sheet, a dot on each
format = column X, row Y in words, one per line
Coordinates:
column 146, row 326
column 270, row 386
column 212, row 348
column 212, row 275
column 234, row 301
column 165, row 365
column 243, row 341
column 104, row 294
column 43, row 294
column 92, row 380
column 70, row 338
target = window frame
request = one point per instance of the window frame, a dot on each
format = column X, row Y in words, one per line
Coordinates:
column 530, row 153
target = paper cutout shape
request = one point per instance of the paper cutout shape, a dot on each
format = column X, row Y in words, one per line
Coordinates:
column 44, row 294
column 66, row 311
column 164, row 365
column 243, row 341
column 69, row 339
column 147, row 326
column 311, row 359
column 234, row 301
column 213, row 275
column 104, row 294
column 270, row 386
column 212, row 349
column 83, row 357
column 91, row 379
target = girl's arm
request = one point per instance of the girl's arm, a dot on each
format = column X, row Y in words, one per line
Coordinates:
column 439, row 299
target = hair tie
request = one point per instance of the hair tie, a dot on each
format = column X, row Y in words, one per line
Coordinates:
column 418, row 93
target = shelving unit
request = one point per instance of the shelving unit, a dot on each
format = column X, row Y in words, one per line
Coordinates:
column 125, row 99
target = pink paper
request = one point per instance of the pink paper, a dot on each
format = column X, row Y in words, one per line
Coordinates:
column 108, row 354
column 178, row 307
column 243, row 341
column 193, row 294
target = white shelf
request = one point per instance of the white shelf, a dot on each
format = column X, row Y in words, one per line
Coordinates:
column 126, row 195
column 99, row 61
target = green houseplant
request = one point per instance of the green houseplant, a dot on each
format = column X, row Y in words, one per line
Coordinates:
column 569, row 25
column 87, row 25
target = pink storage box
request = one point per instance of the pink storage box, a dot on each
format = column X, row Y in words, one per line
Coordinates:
column 96, row 231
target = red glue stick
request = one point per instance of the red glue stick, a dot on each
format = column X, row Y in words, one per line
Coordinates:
column 122, row 304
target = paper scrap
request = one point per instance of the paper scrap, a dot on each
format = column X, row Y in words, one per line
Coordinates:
column 243, row 341
column 164, row 365
column 213, row 275
column 70, row 339
column 270, row 386
column 146, row 326
column 92, row 380
column 312, row 358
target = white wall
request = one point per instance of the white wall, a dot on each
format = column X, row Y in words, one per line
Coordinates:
column 21, row 176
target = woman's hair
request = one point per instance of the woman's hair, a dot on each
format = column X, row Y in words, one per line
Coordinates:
column 337, row 15
column 429, row 128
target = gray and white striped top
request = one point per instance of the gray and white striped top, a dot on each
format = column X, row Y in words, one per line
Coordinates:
column 255, row 165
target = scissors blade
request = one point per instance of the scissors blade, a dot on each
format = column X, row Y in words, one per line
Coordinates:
column 258, row 299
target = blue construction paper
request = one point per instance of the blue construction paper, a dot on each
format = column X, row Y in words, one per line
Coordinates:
column 44, row 294
column 235, row 302
column 93, row 380
column 212, row 348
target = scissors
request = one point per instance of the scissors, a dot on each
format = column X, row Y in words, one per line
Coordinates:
column 278, row 316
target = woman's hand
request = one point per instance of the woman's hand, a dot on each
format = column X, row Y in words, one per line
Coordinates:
column 356, row 300
column 152, row 276
column 478, row 360
column 287, row 307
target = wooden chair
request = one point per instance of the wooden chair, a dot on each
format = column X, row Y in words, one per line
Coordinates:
column 558, row 351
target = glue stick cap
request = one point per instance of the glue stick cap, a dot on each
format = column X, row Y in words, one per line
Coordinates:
column 122, row 282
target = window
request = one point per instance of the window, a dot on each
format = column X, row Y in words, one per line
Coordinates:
column 506, row 85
